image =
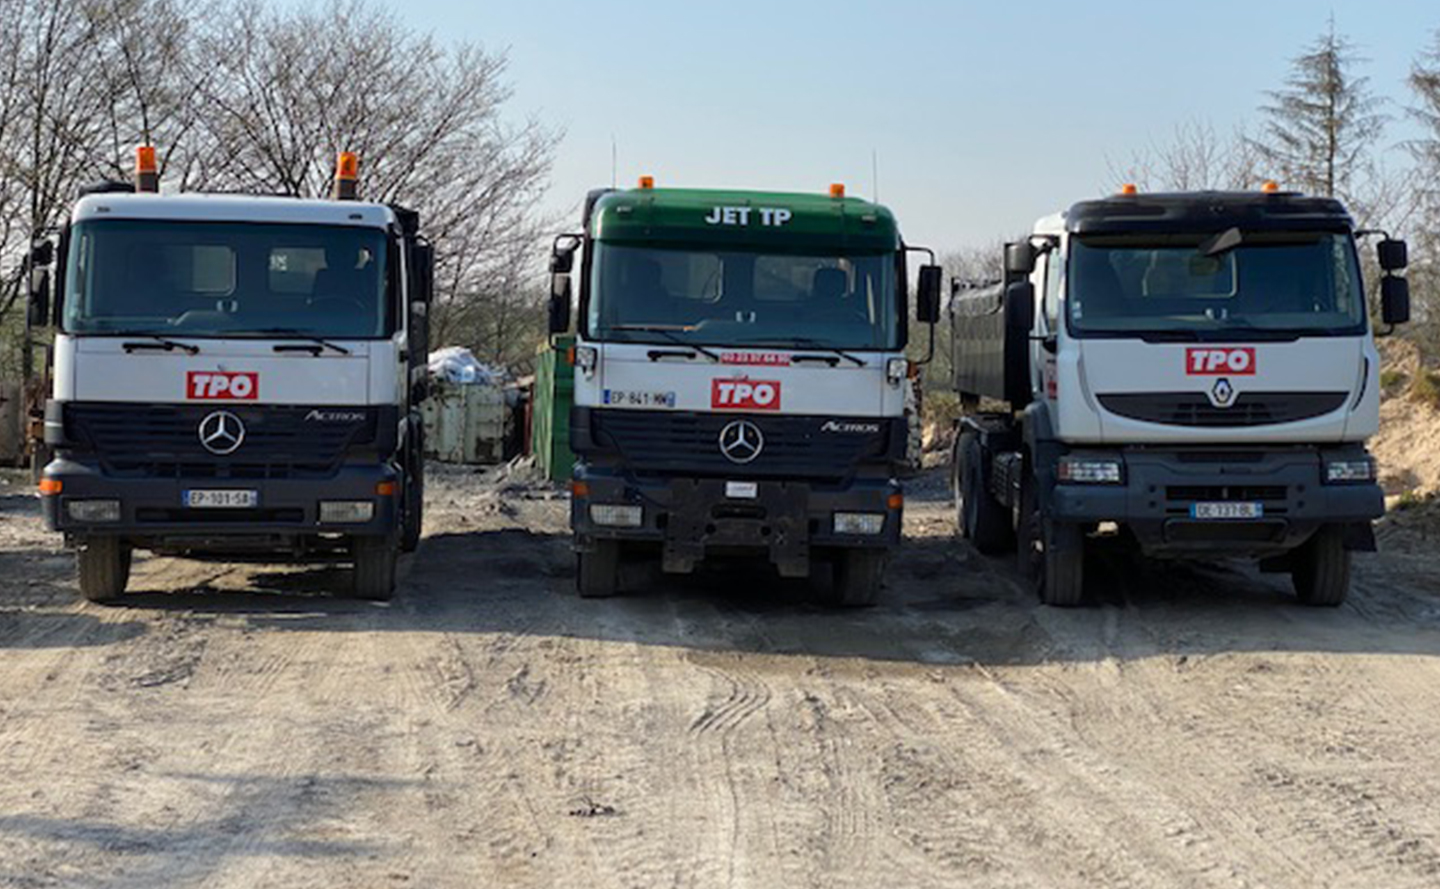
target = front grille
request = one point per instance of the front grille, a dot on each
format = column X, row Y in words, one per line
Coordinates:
column 654, row 442
column 1226, row 493
column 1249, row 409
column 162, row 441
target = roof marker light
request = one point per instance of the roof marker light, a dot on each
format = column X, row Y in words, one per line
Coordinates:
column 147, row 172
column 647, row 182
column 837, row 189
column 1270, row 187
column 1129, row 189
column 347, row 175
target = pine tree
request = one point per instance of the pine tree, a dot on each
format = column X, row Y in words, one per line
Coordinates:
column 1318, row 130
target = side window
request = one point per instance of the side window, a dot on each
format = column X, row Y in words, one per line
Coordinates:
column 1054, row 274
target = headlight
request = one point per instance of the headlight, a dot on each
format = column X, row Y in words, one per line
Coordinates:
column 895, row 370
column 1080, row 470
column 346, row 512
column 93, row 510
column 1342, row 471
column 868, row 523
column 586, row 358
column 615, row 516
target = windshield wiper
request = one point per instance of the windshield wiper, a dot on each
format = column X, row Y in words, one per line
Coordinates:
column 317, row 344
column 167, row 345
column 811, row 343
column 669, row 334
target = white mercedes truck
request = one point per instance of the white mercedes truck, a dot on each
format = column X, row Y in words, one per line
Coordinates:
column 234, row 377
column 1193, row 373
column 740, row 379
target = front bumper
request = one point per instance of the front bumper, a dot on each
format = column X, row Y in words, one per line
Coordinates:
column 690, row 518
column 1154, row 502
column 153, row 514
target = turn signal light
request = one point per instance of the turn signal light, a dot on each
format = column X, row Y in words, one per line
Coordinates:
column 579, row 490
column 896, row 501
column 386, row 489
column 51, row 485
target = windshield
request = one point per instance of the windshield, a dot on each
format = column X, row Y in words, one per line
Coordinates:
column 1215, row 286
column 227, row 279
column 732, row 298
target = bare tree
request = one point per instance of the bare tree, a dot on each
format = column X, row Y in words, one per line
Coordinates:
column 425, row 118
column 1194, row 158
column 1320, row 128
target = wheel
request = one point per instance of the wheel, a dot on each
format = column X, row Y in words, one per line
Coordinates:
column 982, row 519
column 858, row 577
column 374, row 577
column 104, row 567
column 1051, row 554
column 1321, row 568
column 597, row 573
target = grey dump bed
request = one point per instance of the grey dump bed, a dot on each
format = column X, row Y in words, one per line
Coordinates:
column 978, row 342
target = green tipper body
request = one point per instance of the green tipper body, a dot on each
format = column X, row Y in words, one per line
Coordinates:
column 775, row 222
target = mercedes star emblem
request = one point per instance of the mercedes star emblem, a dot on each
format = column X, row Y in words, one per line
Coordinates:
column 222, row 433
column 741, row 441
column 1223, row 395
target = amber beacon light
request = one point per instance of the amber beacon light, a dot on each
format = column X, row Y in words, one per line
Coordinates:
column 347, row 176
column 147, row 171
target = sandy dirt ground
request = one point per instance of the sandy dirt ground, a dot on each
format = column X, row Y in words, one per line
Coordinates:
column 235, row 726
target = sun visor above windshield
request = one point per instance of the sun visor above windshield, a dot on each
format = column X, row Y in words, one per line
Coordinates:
column 1208, row 212
column 779, row 222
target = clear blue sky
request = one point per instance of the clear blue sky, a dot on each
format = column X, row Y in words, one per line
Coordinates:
column 984, row 115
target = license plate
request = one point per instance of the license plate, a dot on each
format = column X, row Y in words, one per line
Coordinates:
column 742, row 490
column 634, row 398
column 228, row 499
column 1224, row 511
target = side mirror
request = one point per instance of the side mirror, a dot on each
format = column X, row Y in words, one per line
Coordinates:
column 927, row 294
column 42, row 252
column 1020, row 258
column 562, row 254
column 1020, row 309
column 424, row 273
column 39, row 304
column 559, row 303
column 1393, row 254
column 1394, row 299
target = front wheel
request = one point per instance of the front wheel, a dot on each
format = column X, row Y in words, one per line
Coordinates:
column 859, row 574
column 104, row 568
column 597, row 572
column 1321, row 572
column 374, row 577
column 1051, row 553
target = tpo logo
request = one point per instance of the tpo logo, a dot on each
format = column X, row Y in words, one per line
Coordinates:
column 222, row 386
column 745, row 395
column 1239, row 362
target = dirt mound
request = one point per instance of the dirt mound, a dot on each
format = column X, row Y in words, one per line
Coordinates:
column 1408, row 444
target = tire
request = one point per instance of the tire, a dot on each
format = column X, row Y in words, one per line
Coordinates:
column 374, row 575
column 597, row 573
column 983, row 520
column 1051, row 554
column 859, row 574
column 1321, row 572
column 104, row 568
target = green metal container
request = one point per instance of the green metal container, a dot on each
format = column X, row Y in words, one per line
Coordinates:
column 550, row 410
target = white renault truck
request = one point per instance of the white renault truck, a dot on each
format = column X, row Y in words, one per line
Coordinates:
column 740, row 379
column 1192, row 372
column 234, row 376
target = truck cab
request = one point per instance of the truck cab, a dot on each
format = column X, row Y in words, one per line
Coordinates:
column 1194, row 371
column 740, row 381
column 234, row 376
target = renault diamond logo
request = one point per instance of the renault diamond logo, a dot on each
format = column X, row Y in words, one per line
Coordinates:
column 741, row 441
column 222, row 433
column 1222, row 394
